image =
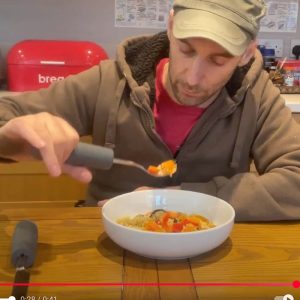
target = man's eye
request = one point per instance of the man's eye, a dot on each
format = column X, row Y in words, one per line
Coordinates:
column 219, row 60
column 187, row 50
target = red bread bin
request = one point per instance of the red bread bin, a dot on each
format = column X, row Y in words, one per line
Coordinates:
column 35, row 64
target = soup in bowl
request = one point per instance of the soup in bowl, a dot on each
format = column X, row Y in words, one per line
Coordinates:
column 173, row 237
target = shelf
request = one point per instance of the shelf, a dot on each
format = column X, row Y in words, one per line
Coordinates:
column 292, row 101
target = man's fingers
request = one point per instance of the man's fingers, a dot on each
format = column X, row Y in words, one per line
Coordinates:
column 81, row 174
column 31, row 136
column 102, row 202
column 50, row 160
column 143, row 188
column 64, row 138
column 21, row 142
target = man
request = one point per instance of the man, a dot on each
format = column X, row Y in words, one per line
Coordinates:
column 197, row 94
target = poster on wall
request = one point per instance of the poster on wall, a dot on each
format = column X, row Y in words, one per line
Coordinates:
column 142, row 13
column 281, row 16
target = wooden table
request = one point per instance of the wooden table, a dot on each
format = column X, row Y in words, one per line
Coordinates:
column 73, row 248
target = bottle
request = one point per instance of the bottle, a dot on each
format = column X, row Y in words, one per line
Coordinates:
column 297, row 76
column 289, row 77
column 269, row 58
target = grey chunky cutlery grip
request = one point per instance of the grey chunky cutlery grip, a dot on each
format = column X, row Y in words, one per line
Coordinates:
column 24, row 244
column 91, row 156
column 87, row 155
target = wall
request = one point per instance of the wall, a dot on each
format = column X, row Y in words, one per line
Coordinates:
column 75, row 19
column 61, row 19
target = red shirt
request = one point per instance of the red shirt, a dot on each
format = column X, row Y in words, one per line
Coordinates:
column 173, row 121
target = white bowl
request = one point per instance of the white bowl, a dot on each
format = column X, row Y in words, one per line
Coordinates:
column 161, row 245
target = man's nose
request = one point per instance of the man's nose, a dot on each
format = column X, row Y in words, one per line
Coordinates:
column 195, row 72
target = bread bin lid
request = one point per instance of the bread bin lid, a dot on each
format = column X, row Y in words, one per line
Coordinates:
column 56, row 52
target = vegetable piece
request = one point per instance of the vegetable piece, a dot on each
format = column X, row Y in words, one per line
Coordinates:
column 166, row 168
column 177, row 227
column 153, row 170
column 152, row 226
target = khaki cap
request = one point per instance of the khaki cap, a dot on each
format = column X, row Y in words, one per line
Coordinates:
column 230, row 23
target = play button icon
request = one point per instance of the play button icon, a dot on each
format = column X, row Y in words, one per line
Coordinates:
column 288, row 297
column 285, row 297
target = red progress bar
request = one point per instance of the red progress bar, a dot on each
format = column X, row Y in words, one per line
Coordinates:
column 295, row 284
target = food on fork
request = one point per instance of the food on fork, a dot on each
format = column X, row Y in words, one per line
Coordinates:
column 166, row 168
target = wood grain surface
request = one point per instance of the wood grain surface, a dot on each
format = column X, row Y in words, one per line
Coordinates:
column 74, row 248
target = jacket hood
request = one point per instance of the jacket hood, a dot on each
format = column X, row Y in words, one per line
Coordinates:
column 137, row 58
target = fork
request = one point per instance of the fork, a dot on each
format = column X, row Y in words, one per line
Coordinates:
column 97, row 157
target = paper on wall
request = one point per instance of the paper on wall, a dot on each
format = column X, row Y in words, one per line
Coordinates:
column 281, row 16
column 142, row 13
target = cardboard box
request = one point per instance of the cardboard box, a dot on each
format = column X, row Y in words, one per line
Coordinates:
column 35, row 64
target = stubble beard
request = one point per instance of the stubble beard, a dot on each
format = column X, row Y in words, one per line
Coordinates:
column 176, row 86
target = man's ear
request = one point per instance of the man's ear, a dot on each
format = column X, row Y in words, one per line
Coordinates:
column 248, row 54
column 170, row 23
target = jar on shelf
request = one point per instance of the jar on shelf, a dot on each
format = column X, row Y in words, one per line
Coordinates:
column 269, row 58
column 297, row 76
column 289, row 77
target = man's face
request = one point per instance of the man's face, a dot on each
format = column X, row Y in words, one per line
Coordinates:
column 198, row 69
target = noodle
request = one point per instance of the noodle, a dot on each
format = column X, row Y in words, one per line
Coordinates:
column 167, row 221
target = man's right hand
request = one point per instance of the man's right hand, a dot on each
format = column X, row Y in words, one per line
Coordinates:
column 52, row 136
